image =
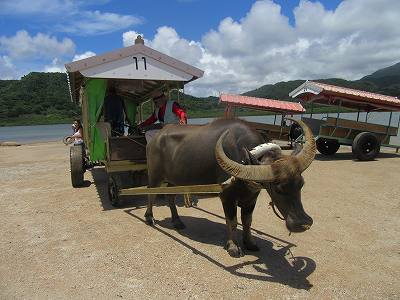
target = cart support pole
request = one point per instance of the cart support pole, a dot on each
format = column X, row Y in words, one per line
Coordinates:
column 338, row 112
column 398, row 123
column 390, row 121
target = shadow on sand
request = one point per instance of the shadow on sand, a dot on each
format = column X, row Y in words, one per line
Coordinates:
column 270, row 264
column 274, row 262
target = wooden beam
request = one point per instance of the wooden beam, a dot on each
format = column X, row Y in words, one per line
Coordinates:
column 187, row 189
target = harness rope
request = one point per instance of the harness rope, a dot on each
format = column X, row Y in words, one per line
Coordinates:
column 272, row 204
column 256, row 185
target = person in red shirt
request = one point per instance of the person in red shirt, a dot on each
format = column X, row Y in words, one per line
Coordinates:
column 165, row 112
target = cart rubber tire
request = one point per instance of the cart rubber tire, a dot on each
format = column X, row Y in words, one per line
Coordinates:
column 68, row 140
column 113, row 189
column 295, row 131
column 327, row 146
column 366, row 146
column 77, row 165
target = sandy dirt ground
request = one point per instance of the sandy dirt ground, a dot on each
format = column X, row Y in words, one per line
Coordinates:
column 59, row 242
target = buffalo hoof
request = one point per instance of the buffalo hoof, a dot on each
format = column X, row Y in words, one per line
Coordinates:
column 250, row 245
column 178, row 224
column 233, row 249
column 150, row 220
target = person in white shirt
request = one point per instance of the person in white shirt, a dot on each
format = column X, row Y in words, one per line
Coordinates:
column 78, row 132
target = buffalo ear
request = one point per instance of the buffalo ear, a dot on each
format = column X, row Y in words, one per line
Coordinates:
column 249, row 159
column 297, row 147
column 264, row 135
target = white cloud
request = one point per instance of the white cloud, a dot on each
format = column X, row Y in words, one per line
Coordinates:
column 355, row 39
column 69, row 16
column 56, row 66
column 168, row 41
column 96, row 22
column 83, row 55
column 24, row 53
column 23, row 46
column 7, row 68
column 129, row 37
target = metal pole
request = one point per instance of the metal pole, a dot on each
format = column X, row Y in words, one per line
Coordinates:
column 398, row 123
column 312, row 108
column 338, row 112
column 390, row 121
column 282, row 120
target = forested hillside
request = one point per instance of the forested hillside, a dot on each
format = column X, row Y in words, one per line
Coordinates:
column 43, row 98
column 38, row 98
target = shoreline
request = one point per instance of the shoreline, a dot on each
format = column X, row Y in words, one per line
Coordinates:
column 18, row 144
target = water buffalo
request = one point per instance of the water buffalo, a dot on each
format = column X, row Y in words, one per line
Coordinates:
column 218, row 151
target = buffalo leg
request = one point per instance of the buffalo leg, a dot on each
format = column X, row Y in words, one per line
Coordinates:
column 176, row 221
column 149, row 211
column 153, row 182
column 229, row 203
column 247, row 216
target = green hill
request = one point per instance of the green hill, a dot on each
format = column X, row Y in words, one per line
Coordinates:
column 385, row 72
column 43, row 98
column 37, row 98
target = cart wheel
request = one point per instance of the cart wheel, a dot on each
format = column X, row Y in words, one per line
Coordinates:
column 295, row 131
column 113, row 189
column 68, row 140
column 76, row 162
column 327, row 147
column 366, row 146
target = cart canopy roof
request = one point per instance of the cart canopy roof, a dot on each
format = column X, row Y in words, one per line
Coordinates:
column 262, row 103
column 312, row 91
column 136, row 71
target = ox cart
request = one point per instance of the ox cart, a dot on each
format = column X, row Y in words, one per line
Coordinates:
column 278, row 130
column 137, row 73
column 364, row 137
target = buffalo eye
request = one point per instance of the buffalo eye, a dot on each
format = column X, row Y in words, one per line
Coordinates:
column 280, row 188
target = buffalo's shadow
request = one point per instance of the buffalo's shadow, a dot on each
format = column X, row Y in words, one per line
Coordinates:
column 271, row 264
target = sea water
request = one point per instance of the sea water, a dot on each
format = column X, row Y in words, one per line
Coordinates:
column 44, row 133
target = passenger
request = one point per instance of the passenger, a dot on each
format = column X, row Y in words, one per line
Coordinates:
column 78, row 132
column 114, row 109
column 166, row 112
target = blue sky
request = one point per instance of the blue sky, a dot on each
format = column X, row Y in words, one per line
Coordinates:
column 240, row 44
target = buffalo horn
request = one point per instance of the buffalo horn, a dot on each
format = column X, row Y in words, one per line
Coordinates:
column 279, row 169
column 307, row 154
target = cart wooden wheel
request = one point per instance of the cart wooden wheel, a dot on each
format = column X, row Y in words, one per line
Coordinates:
column 327, row 147
column 113, row 189
column 366, row 146
column 77, row 165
